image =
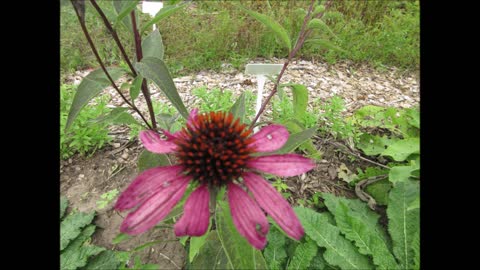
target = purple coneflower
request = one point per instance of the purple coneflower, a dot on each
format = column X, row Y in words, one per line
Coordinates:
column 214, row 150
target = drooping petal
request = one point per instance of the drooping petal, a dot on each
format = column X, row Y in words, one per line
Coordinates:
column 146, row 184
column 153, row 143
column 282, row 165
column 155, row 208
column 269, row 138
column 246, row 216
column 274, row 204
column 196, row 214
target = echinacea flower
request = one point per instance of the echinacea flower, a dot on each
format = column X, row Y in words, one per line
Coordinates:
column 213, row 150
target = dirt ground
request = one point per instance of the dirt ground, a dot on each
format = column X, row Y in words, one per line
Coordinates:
column 84, row 179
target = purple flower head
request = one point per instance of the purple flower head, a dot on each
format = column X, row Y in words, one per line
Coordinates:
column 215, row 150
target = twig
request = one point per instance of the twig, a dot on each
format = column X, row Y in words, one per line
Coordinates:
column 359, row 156
column 165, row 256
column 95, row 52
column 138, row 50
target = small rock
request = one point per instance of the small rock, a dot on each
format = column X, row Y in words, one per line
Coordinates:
column 81, row 176
column 120, row 160
column 70, row 161
column 116, row 145
column 125, row 156
column 77, row 168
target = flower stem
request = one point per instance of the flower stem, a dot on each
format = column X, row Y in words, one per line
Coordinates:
column 95, row 52
column 301, row 39
column 138, row 50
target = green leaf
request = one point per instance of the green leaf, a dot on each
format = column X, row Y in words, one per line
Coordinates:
column 270, row 23
column 125, row 11
column 304, row 253
column 360, row 231
column 373, row 145
column 318, row 262
column 104, row 260
column 119, row 6
column 240, row 254
column 148, row 160
column 135, row 88
column 63, row 206
column 275, row 251
column 300, row 100
column 211, row 255
column 400, row 173
column 416, row 249
column 403, row 223
column 323, row 43
column 196, row 243
column 413, row 117
column 295, row 140
column 72, row 225
column 339, row 251
column 120, row 238
column 163, row 13
column 400, row 150
column 379, row 191
column 152, row 45
column 238, row 109
column 414, row 205
column 155, row 69
column 77, row 253
column 90, row 87
column 318, row 9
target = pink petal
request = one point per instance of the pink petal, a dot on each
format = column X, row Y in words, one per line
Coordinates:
column 155, row 208
column 270, row 138
column 282, row 165
column 274, row 204
column 193, row 115
column 146, row 184
column 153, row 143
column 196, row 214
column 247, row 216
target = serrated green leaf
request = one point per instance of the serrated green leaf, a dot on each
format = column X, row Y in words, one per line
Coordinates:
column 211, row 255
column 148, row 160
column 365, row 237
column 304, row 253
column 297, row 139
column 413, row 117
column 106, row 259
column 238, row 109
column 89, row 88
column 72, row 226
column 323, row 43
column 339, row 251
column 196, row 243
column 300, row 100
column 400, row 150
column 414, row 205
column 63, row 206
column 155, row 69
column 135, row 88
column 77, row 253
column 152, row 45
column 126, row 9
column 240, row 254
column 163, row 13
column 270, row 23
column 120, row 238
column 403, row 223
column 275, row 251
column 318, row 262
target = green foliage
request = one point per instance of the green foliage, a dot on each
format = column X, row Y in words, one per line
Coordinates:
column 106, row 259
column 107, row 197
column 332, row 121
column 72, row 226
column 223, row 100
column 196, row 243
column 82, row 136
column 304, row 254
column 152, row 45
column 403, row 223
column 275, row 251
column 211, row 255
column 63, row 205
column 285, row 109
